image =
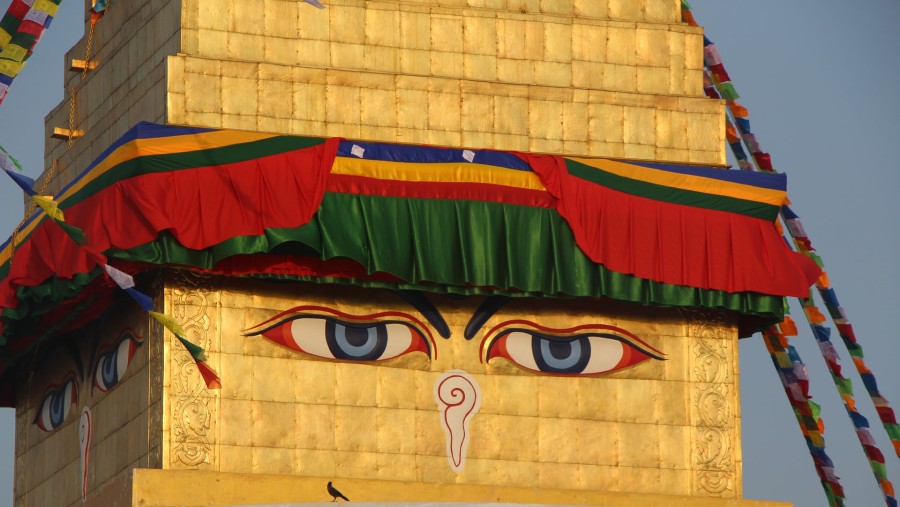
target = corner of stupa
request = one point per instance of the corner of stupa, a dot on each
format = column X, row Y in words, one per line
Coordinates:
column 615, row 79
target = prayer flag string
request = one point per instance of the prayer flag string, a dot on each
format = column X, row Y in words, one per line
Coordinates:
column 794, row 378
column 717, row 84
column 20, row 30
column 123, row 280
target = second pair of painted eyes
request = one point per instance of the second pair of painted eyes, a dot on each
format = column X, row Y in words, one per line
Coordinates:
column 111, row 363
column 584, row 350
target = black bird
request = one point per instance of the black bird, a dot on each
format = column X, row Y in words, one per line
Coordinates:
column 335, row 494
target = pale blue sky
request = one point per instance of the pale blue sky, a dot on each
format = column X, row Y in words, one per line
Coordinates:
column 820, row 80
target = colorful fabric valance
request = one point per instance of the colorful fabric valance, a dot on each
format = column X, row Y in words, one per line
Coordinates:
column 413, row 217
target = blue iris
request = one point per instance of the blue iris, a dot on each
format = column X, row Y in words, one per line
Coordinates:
column 561, row 356
column 361, row 342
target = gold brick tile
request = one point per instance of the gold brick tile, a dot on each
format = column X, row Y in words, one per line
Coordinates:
column 269, row 460
column 382, row 59
column 625, row 9
column 640, row 151
column 315, row 426
column 356, row 465
column 283, row 51
column 316, row 382
column 281, row 18
column 235, row 420
column 235, row 459
column 600, row 478
column 378, row 107
column 212, row 17
column 638, row 479
column 661, row 11
column 203, row 93
column 638, row 401
column 558, row 42
column 273, row 379
column 524, row 446
column 511, row 115
column 511, row 40
column 479, row 67
column 444, row 112
column 380, row 27
column 560, row 475
column 555, row 437
column 239, row 96
column 247, row 17
column 674, row 482
column 443, row 137
column 415, row 62
column 534, row 40
column 591, row 8
column 639, row 445
column 606, row 123
column 309, row 128
column 342, row 105
column 347, row 56
column 558, row 7
column 539, row 145
column 314, row 24
column 619, row 77
column 355, row 384
column 652, row 80
column 395, row 431
column 597, row 442
column 245, row 46
column 480, row 35
column 272, row 101
column 478, row 140
column 315, row 463
column 545, row 119
column 651, row 46
column 693, row 51
column 445, row 64
column 410, row 105
column 347, row 24
column 553, row 74
column 272, row 424
column 430, row 437
column 447, row 33
column 394, row 390
column 675, row 447
column 395, row 467
column 308, row 101
column 415, row 30
column 511, row 142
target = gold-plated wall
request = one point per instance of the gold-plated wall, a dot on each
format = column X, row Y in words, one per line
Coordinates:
column 659, row 427
column 616, row 79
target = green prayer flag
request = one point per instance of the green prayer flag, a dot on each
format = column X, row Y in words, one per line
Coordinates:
column 73, row 232
column 196, row 351
column 893, row 431
column 727, row 91
column 816, row 409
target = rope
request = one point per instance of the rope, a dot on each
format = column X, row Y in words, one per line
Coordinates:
column 717, row 84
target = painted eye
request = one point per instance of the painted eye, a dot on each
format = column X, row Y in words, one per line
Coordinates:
column 346, row 337
column 57, row 403
column 112, row 363
column 596, row 349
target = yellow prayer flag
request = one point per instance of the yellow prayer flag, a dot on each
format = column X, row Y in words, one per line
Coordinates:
column 14, row 52
column 49, row 206
column 45, row 6
column 9, row 67
column 168, row 322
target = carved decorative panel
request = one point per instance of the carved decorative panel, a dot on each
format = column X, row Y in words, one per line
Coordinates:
column 193, row 407
column 713, row 406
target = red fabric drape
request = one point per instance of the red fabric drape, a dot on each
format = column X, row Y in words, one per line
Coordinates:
column 672, row 243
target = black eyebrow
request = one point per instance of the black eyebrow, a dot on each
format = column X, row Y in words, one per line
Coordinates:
column 485, row 311
column 427, row 309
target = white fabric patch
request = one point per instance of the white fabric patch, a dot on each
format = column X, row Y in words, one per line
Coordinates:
column 469, row 155
column 123, row 280
column 357, row 151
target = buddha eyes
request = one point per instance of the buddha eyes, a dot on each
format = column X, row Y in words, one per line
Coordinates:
column 330, row 334
column 54, row 408
column 584, row 350
column 112, row 363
